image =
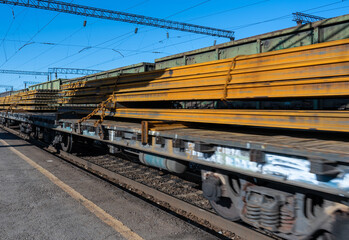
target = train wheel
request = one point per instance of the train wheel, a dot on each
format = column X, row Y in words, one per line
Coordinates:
column 325, row 236
column 225, row 208
column 67, row 143
column 222, row 192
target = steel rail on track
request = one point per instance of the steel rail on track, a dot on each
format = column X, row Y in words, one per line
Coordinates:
column 214, row 220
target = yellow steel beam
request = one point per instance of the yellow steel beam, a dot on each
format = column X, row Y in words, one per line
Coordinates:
column 81, row 100
column 317, row 70
column 314, row 120
column 287, row 58
column 87, row 91
column 306, row 88
column 34, row 100
column 327, row 67
column 312, row 80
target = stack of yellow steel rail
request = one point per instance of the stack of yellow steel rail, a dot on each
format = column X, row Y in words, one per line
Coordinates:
column 85, row 95
column 316, row 70
column 34, row 100
column 319, row 70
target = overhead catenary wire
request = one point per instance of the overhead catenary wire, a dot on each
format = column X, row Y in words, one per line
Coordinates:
column 40, row 30
column 175, row 44
column 114, row 38
column 189, row 8
column 77, row 46
column 28, row 42
column 46, row 51
column 93, row 46
column 283, row 17
column 126, row 55
column 228, row 10
column 328, row 10
column 136, row 5
column 42, row 53
column 131, row 33
column 59, row 6
column 74, row 54
column 184, row 10
column 201, row 37
column 8, row 29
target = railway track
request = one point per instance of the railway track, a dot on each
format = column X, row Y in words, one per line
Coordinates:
column 181, row 196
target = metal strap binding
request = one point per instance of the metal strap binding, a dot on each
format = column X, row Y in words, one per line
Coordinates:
column 228, row 78
column 116, row 82
column 102, row 107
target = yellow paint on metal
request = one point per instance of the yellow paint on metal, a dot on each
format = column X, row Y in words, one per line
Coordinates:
column 33, row 100
column 310, row 71
column 316, row 120
column 318, row 70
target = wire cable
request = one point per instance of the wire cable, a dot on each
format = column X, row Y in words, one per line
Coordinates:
column 273, row 19
column 131, row 33
column 136, row 5
column 189, row 8
column 97, row 45
column 228, row 10
column 29, row 41
column 8, row 30
column 282, row 17
column 44, row 52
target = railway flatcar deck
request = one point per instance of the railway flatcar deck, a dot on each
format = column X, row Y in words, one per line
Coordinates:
column 285, row 155
column 296, row 165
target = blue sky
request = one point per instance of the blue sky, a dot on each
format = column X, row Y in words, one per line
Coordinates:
column 35, row 40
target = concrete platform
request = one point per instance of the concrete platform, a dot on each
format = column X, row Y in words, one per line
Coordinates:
column 35, row 206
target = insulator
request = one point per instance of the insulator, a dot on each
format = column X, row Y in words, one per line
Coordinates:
column 85, row 22
column 136, row 30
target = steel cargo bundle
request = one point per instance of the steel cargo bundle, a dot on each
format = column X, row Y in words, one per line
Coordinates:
column 318, row 71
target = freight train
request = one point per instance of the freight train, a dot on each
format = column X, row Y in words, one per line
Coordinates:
column 264, row 120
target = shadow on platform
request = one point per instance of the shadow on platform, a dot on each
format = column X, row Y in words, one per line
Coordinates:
column 21, row 145
column 7, row 136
